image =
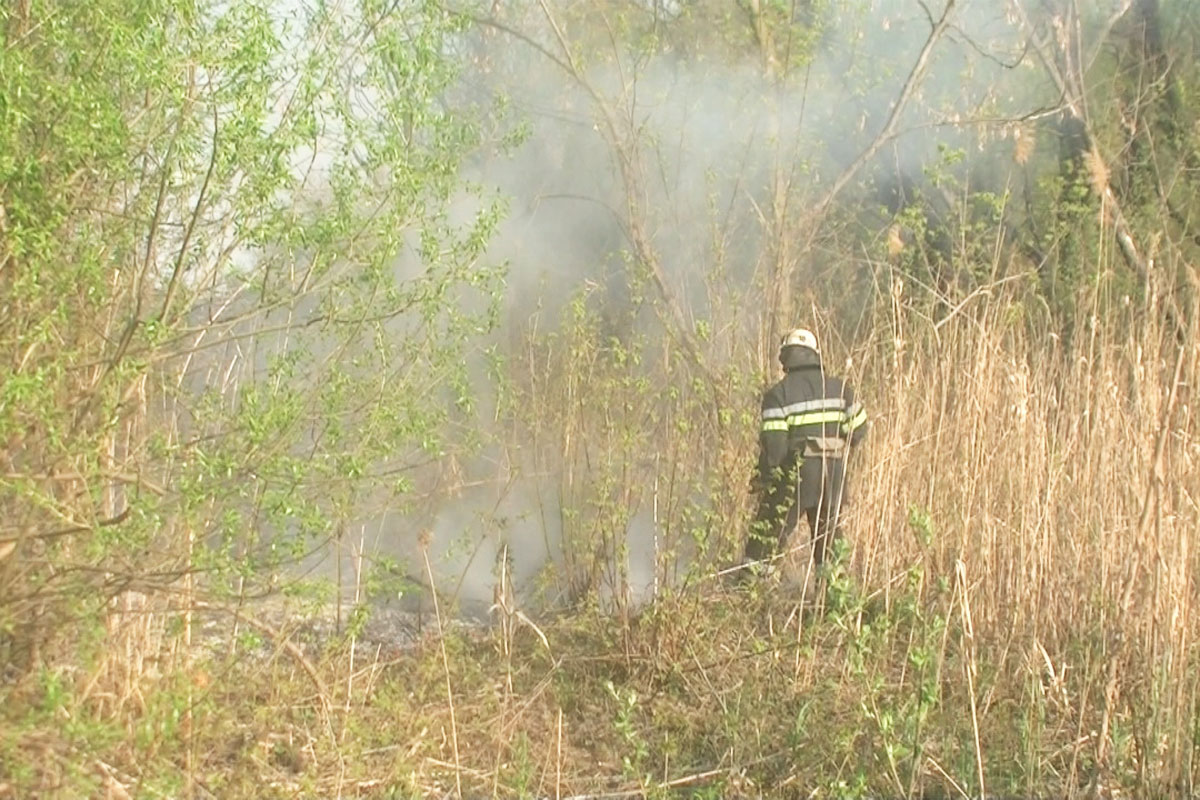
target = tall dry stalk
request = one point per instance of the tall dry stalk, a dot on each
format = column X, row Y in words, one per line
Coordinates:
column 445, row 664
column 1059, row 474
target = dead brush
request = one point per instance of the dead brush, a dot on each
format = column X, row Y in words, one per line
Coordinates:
column 1059, row 473
column 1020, row 580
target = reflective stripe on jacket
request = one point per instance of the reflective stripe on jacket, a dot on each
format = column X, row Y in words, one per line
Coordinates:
column 807, row 411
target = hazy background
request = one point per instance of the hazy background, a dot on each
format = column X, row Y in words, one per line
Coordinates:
column 716, row 141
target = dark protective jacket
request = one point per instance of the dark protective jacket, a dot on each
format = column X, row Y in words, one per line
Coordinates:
column 808, row 420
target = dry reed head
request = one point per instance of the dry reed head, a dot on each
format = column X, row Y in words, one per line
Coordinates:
column 1024, row 143
column 895, row 241
column 1097, row 171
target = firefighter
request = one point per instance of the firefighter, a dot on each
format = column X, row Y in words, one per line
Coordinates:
column 810, row 420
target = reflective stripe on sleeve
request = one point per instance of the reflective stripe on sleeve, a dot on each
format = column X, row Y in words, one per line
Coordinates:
column 775, row 425
column 858, row 415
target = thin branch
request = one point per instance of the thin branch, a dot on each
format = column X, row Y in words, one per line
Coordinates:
column 195, row 216
column 995, row 59
column 625, row 151
column 888, row 130
column 60, row 532
column 280, row 639
column 491, row 22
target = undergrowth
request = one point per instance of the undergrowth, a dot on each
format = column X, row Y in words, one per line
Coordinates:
column 717, row 693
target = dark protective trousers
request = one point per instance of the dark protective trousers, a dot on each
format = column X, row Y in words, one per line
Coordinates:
column 816, row 485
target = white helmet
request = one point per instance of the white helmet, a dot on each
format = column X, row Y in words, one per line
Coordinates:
column 800, row 337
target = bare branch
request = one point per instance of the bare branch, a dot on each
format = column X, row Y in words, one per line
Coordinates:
column 623, row 141
column 195, row 217
column 888, row 130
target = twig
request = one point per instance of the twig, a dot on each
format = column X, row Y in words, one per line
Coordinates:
column 446, row 667
column 946, row 775
column 279, row 638
column 960, row 570
column 558, row 759
column 982, row 291
column 686, row 780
